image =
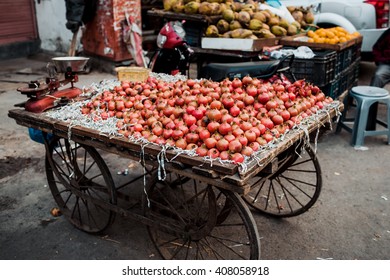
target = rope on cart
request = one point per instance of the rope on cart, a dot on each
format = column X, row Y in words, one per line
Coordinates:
column 316, row 139
column 257, row 159
column 161, row 158
column 142, row 161
column 243, row 167
column 71, row 125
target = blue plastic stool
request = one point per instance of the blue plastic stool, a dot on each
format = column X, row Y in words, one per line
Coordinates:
column 365, row 96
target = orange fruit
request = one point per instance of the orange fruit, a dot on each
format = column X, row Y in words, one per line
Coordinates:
column 342, row 39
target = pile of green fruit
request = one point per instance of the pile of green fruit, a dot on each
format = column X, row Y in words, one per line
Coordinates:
column 236, row 19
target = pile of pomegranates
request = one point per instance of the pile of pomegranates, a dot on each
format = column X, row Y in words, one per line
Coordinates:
column 229, row 120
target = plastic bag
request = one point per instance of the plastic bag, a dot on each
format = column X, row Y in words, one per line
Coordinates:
column 132, row 36
column 301, row 52
column 37, row 135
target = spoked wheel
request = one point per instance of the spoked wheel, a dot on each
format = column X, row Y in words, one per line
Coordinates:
column 80, row 181
column 200, row 221
column 293, row 188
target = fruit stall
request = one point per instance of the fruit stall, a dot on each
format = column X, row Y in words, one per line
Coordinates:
column 207, row 152
column 235, row 31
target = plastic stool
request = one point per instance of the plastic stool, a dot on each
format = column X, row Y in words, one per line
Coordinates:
column 365, row 96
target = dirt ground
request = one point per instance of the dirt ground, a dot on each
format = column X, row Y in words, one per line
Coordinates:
column 349, row 221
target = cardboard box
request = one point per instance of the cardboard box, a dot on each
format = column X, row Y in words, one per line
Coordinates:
column 251, row 45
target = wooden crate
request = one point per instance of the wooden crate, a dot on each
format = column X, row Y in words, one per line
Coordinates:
column 299, row 40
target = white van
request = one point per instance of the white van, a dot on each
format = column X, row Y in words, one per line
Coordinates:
column 370, row 18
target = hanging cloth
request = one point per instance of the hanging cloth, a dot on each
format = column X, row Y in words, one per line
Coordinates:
column 132, row 36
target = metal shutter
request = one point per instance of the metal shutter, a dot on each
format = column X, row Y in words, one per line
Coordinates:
column 17, row 21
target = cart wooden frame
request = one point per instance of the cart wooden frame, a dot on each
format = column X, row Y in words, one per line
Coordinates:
column 199, row 210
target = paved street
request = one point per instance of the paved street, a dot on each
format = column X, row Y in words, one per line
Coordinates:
column 349, row 221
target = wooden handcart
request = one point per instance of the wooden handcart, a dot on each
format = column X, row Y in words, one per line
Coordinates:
column 193, row 209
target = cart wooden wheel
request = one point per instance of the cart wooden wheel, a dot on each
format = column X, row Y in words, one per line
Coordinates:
column 293, row 188
column 79, row 181
column 200, row 221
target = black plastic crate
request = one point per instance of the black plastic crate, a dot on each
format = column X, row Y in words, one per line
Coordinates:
column 353, row 73
column 349, row 75
column 335, row 88
column 356, row 68
column 356, row 51
column 344, row 59
column 347, row 57
column 332, row 89
column 344, row 81
column 319, row 70
column 194, row 33
column 340, row 61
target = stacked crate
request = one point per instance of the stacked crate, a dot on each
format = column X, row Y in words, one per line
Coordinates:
column 335, row 68
column 319, row 70
column 346, row 72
